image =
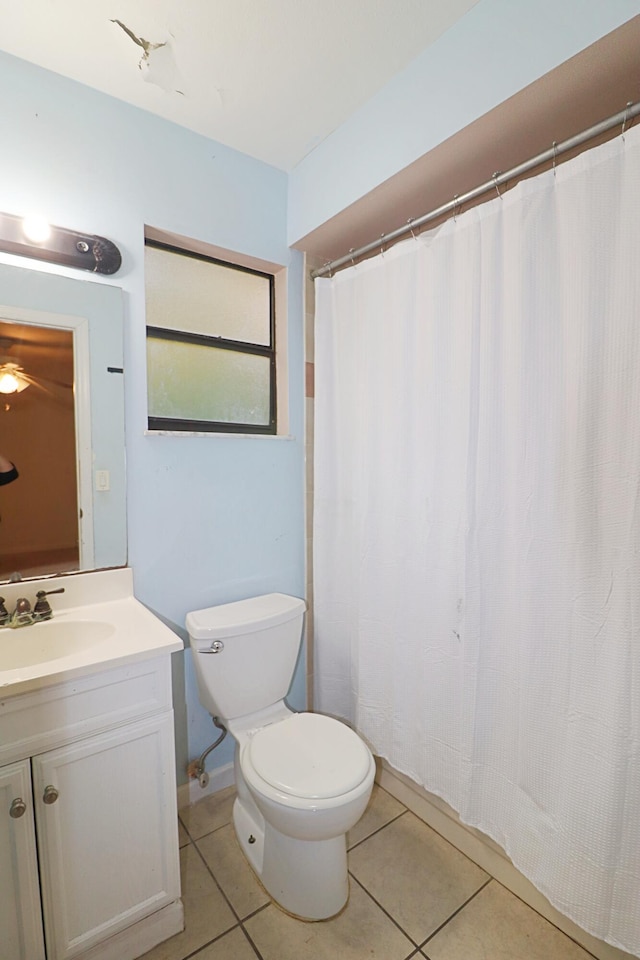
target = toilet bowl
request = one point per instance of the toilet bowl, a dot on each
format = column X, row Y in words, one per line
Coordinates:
column 302, row 779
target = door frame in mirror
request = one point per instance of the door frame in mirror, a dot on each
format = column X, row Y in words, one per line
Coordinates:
column 79, row 328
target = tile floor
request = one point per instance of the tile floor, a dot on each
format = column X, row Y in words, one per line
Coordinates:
column 413, row 895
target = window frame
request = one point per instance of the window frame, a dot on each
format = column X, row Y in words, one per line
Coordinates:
column 268, row 351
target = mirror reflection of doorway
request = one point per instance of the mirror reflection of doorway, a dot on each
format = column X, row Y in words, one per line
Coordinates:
column 39, row 510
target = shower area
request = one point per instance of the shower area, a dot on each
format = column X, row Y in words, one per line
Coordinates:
column 476, row 522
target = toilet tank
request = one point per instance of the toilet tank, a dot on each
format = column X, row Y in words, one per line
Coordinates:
column 253, row 668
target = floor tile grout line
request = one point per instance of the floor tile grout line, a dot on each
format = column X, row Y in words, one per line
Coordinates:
column 378, row 830
column 218, row 885
column 258, row 910
column 386, row 912
column 455, row 912
column 240, row 921
column 239, row 918
column 208, row 834
column 250, row 938
column 546, row 919
column 205, row 946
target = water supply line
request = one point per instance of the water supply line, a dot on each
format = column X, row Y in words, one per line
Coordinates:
column 196, row 769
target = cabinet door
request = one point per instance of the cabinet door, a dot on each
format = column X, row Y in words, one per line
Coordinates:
column 20, row 913
column 107, row 832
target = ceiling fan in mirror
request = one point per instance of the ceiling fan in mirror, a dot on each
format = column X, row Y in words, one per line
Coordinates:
column 18, row 373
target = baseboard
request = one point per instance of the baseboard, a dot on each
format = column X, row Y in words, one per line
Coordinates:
column 219, row 778
column 488, row 855
column 140, row 937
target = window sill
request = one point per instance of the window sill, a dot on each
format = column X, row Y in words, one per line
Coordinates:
column 219, row 436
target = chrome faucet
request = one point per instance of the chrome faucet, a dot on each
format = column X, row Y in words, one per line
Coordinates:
column 23, row 615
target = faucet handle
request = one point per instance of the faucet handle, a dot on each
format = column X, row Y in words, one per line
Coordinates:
column 42, row 609
column 22, row 615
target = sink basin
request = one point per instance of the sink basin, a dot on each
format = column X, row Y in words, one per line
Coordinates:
column 49, row 640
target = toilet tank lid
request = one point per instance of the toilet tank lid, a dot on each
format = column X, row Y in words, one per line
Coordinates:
column 243, row 616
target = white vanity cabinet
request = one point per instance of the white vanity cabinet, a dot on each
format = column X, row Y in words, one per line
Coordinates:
column 88, row 835
column 20, row 919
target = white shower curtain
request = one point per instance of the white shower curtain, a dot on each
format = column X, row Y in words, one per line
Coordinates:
column 477, row 523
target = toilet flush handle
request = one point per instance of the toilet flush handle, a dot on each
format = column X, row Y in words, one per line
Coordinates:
column 217, row 646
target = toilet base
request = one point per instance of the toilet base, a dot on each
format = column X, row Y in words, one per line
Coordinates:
column 307, row 878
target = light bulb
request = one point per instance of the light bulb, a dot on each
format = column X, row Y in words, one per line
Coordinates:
column 36, row 229
column 9, row 383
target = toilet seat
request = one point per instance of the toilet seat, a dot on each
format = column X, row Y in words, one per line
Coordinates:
column 310, row 756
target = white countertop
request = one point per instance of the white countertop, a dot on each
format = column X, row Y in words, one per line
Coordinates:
column 104, row 597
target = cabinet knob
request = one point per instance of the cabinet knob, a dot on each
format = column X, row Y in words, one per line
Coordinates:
column 50, row 794
column 17, row 808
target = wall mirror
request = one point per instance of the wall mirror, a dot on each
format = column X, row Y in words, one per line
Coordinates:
column 64, row 427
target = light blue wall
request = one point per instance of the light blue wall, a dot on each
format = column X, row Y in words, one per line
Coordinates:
column 209, row 519
column 492, row 53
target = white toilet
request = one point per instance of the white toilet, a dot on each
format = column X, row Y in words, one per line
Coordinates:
column 302, row 779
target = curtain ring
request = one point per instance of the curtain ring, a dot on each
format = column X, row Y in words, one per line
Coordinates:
column 495, row 182
column 382, row 236
column 455, row 215
column 554, row 145
column 624, row 119
column 410, row 222
column 327, row 265
column 351, row 251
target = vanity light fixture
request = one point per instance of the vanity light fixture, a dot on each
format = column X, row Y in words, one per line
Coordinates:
column 34, row 237
column 36, row 229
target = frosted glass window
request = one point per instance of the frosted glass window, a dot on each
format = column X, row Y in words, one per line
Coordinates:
column 196, row 295
column 210, row 344
column 200, row 383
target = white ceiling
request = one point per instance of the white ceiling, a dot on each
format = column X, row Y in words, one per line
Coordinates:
column 271, row 79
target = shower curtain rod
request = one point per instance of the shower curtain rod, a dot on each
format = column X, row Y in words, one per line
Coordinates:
column 623, row 117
